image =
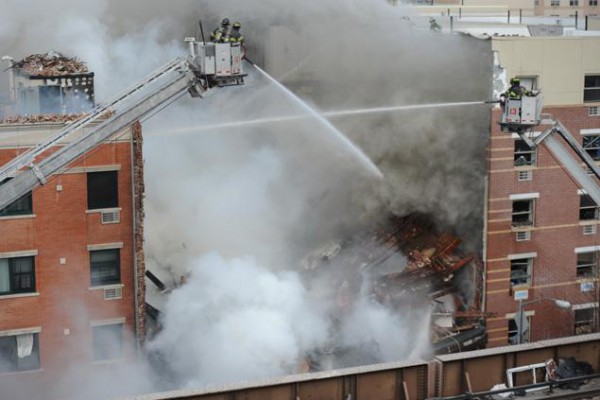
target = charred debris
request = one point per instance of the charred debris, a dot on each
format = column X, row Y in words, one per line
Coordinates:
column 50, row 84
column 404, row 263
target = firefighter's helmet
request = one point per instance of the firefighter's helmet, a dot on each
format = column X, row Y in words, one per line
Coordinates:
column 225, row 22
column 237, row 25
column 515, row 81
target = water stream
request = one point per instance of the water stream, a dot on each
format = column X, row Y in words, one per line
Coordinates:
column 337, row 135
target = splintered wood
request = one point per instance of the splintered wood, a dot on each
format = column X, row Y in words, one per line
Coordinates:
column 51, row 64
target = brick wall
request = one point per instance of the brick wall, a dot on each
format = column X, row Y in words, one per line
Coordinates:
column 62, row 228
column 556, row 233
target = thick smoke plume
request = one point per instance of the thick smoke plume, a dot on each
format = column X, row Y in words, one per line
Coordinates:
column 232, row 212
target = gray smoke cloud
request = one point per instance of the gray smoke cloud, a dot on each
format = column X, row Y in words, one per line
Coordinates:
column 234, row 210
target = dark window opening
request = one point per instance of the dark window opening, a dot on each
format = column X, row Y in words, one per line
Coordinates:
column 108, row 342
column 520, row 271
column 584, row 321
column 105, row 267
column 19, row 353
column 588, row 210
column 522, row 213
column 17, row 275
column 586, row 264
column 102, row 190
column 591, row 144
column 21, row 206
column 591, row 90
column 524, row 155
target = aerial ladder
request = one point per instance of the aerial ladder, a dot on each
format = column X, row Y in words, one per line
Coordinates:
column 208, row 66
column 522, row 115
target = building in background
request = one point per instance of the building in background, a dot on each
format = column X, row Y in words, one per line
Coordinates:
column 541, row 234
column 71, row 269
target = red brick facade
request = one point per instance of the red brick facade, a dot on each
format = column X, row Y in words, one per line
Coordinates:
column 556, row 232
column 65, row 305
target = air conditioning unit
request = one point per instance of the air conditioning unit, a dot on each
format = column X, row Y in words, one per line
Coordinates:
column 113, row 293
column 525, row 175
column 593, row 111
column 590, row 229
column 523, row 236
column 111, row 217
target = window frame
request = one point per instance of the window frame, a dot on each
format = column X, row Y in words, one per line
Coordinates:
column 102, row 195
column 584, row 326
column 587, row 265
column 98, row 351
column 573, row 3
column 588, row 209
column 99, row 281
column 22, row 206
column 13, row 275
column 529, row 155
column 530, row 212
column 591, row 145
column 591, row 94
column 593, row 3
column 527, row 262
column 29, row 363
column 512, row 333
column 554, row 3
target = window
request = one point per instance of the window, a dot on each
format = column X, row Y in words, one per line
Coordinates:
column 17, row 275
column 520, row 271
column 528, row 82
column 522, row 213
column 593, row 111
column 584, row 321
column 105, row 267
column 513, row 331
column 587, row 264
column 19, row 353
column 588, row 209
column 524, row 155
column 591, row 144
column 536, row 3
column 593, row 2
column 555, row 3
column 108, row 342
column 573, row 3
column 102, row 190
column 591, row 90
column 21, row 206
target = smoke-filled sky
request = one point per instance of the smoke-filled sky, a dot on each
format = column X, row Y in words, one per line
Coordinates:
column 233, row 210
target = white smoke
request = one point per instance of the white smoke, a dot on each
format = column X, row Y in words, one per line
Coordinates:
column 235, row 320
column 233, row 211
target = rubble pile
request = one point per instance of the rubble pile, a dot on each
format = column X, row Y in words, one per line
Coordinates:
column 405, row 263
column 51, row 64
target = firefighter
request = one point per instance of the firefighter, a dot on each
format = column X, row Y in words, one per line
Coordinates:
column 221, row 34
column 515, row 91
column 236, row 36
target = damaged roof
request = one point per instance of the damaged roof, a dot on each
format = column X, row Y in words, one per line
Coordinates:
column 51, row 64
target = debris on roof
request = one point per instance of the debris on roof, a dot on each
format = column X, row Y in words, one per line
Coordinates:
column 48, row 118
column 51, row 64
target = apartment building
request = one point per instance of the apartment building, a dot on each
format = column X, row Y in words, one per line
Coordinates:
column 71, row 261
column 541, row 238
column 562, row 8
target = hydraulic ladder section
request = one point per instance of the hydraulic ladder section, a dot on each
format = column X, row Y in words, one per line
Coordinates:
column 570, row 163
column 163, row 85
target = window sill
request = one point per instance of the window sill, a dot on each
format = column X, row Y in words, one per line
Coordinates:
column 101, row 210
column 29, row 371
column 102, row 287
column 589, row 222
column 18, row 295
column 9, row 217
column 521, row 228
